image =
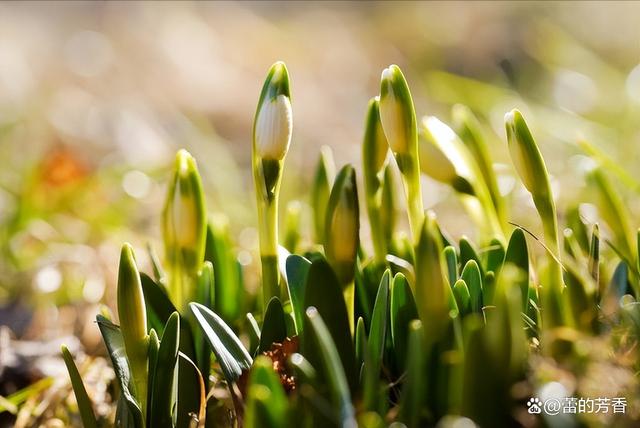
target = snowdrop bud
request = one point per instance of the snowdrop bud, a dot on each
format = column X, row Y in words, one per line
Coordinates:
column 131, row 309
column 342, row 225
column 273, row 121
column 526, row 156
column 184, row 216
column 397, row 113
column 374, row 145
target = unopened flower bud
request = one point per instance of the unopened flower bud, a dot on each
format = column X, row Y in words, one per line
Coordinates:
column 274, row 122
column 342, row 225
column 397, row 112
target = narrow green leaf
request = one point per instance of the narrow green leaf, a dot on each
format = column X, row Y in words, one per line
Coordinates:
column 451, row 258
column 412, row 401
column 518, row 255
column 494, row 256
column 274, row 328
column 468, row 252
column 323, row 292
column 613, row 210
column 253, row 330
column 463, row 298
column 158, row 306
column 433, row 293
column 229, row 351
column 154, row 348
column 402, row 312
column 594, row 254
column 361, row 343
column 297, row 268
column 376, row 343
column 115, row 347
column 219, row 251
column 332, row 367
column 85, row 406
column 266, row 403
column 473, row 282
column 191, row 400
column 163, row 394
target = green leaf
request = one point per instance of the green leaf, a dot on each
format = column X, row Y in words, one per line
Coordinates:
column 253, row 330
column 494, row 256
column 163, row 390
column 619, row 285
column 323, row 292
column 274, row 328
column 463, row 298
column 451, row 258
column 267, row 403
column 154, row 347
column 219, row 251
column 115, row 347
column 594, row 254
column 468, row 252
column 297, row 268
column 229, row 351
column 518, row 255
column 376, row 343
column 158, row 305
column 333, row 369
column 613, row 210
column 361, row 343
column 412, row 400
column 433, row 292
column 191, row 399
column 473, row 282
column 402, row 311
column 85, row 406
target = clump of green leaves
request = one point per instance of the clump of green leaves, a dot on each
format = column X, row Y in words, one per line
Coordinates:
column 425, row 329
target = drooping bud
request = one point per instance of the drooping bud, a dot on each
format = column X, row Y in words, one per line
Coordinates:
column 443, row 156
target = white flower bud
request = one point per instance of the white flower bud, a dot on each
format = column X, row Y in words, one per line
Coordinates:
column 273, row 128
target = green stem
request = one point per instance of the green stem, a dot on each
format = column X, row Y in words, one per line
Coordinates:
column 268, row 232
column 410, row 170
column 552, row 295
column 375, row 221
column 349, row 297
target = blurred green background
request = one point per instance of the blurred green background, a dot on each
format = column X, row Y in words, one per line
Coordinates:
column 95, row 99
